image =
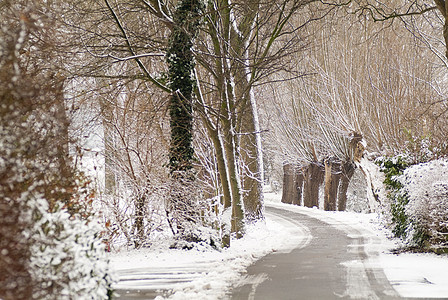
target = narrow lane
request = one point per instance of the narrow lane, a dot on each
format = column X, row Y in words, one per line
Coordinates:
column 332, row 265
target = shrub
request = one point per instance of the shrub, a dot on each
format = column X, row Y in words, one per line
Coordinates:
column 50, row 248
column 393, row 168
column 418, row 197
column 68, row 259
column 200, row 238
column 427, row 187
column 424, row 149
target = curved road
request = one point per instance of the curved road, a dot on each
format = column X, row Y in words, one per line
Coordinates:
column 326, row 260
column 330, row 263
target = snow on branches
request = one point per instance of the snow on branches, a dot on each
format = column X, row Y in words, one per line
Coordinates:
column 50, row 246
column 427, row 187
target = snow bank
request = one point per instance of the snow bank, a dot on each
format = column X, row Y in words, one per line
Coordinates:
column 204, row 275
column 208, row 275
column 417, row 275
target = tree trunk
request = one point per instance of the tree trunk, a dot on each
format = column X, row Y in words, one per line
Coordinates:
column 288, row 184
column 223, row 177
column 314, row 176
column 299, row 178
column 252, row 158
column 442, row 6
column 62, row 147
column 139, row 221
column 181, row 65
column 248, row 123
column 107, row 114
column 222, row 169
column 375, row 183
column 348, row 169
column 180, row 61
column 237, row 221
column 332, row 178
column 250, row 146
column 221, row 163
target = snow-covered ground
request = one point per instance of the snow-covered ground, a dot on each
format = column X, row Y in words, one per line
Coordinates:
column 209, row 275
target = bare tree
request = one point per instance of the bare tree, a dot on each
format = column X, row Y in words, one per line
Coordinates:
column 243, row 45
column 363, row 84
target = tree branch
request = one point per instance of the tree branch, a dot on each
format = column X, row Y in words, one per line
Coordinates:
column 131, row 50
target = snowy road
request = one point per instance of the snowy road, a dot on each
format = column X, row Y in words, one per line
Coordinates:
column 331, row 262
column 300, row 253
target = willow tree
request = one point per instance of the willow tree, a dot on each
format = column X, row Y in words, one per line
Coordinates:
column 365, row 85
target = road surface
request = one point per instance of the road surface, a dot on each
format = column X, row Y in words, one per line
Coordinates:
column 329, row 260
column 330, row 263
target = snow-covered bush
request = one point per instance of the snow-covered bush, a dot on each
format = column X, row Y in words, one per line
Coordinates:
column 133, row 223
column 424, row 149
column 63, row 255
column 50, row 247
column 427, row 188
column 164, row 212
column 191, row 217
column 200, row 238
column 418, row 197
column 68, row 259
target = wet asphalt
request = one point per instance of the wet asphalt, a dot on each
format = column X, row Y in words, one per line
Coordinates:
column 332, row 263
column 331, row 266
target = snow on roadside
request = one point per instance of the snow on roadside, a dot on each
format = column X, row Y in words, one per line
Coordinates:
column 212, row 273
column 208, row 275
column 416, row 275
column 412, row 275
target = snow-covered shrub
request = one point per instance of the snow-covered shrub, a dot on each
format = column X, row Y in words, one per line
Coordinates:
column 50, row 247
column 191, row 217
column 392, row 169
column 63, row 256
column 199, row 238
column 133, row 223
column 418, row 197
column 68, row 259
column 424, row 149
column 427, row 188
column 166, row 210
